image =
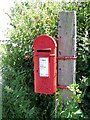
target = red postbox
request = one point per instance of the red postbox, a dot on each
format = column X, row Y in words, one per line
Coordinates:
column 45, row 63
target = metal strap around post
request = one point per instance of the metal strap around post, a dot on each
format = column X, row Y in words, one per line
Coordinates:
column 63, row 87
column 67, row 58
column 45, row 55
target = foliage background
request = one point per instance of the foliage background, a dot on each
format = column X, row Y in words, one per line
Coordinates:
column 28, row 21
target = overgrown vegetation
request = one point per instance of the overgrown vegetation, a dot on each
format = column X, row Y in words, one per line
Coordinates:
column 19, row 100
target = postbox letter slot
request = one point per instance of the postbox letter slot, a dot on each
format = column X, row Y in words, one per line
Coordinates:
column 44, row 50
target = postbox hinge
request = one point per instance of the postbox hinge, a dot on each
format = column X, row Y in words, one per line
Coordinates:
column 67, row 58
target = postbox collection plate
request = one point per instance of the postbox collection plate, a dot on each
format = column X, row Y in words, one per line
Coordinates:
column 44, row 67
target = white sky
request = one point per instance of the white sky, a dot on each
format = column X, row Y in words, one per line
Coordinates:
column 4, row 7
column 4, row 20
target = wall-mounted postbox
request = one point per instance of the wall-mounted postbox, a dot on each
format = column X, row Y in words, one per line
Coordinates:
column 45, row 63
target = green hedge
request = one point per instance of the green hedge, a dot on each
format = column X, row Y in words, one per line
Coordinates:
column 19, row 100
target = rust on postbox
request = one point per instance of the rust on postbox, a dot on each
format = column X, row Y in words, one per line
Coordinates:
column 45, row 63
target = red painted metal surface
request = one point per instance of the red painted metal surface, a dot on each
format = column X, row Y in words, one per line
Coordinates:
column 45, row 59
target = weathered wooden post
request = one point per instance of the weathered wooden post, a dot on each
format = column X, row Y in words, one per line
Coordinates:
column 66, row 52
